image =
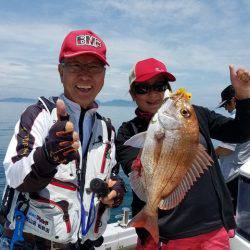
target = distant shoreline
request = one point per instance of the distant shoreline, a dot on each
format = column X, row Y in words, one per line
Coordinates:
column 118, row 102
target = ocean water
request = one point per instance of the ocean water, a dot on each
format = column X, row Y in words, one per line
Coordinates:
column 10, row 113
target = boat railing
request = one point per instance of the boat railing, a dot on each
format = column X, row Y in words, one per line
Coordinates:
column 124, row 217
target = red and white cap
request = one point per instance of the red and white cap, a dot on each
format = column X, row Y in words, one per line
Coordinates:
column 147, row 69
column 80, row 42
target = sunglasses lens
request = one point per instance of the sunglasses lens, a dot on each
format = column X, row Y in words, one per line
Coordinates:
column 141, row 89
column 159, row 87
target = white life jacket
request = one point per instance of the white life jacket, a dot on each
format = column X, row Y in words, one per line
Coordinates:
column 55, row 212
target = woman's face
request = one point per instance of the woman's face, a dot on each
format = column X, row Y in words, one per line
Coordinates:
column 151, row 101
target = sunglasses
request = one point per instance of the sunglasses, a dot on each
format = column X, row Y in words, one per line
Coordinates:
column 92, row 68
column 224, row 105
column 144, row 88
column 227, row 102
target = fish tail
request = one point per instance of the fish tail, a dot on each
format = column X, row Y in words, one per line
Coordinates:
column 147, row 221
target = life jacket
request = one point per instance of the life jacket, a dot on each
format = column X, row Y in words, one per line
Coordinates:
column 55, row 212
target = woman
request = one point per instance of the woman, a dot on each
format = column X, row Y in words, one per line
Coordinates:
column 202, row 219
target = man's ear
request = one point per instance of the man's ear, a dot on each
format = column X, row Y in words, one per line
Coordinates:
column 60, row 70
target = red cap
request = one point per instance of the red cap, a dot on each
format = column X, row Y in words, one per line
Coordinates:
column 80, row 42
column 147, row 69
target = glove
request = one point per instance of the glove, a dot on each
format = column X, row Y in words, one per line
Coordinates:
column 61, row 143
column 120, row 189
column 114, row 199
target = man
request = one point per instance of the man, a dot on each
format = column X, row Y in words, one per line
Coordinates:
column 225, row 150
column 59, row 146
column 231, row 156
column 228, row 100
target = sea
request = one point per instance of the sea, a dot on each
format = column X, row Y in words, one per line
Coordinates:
column 10, row 113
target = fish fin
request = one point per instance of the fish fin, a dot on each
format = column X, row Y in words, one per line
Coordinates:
column 147, row 221
column 201, row 162
column 136, row 184
column 177, row 195
column 136, row 141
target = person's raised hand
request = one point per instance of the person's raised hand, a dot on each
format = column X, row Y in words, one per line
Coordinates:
column 240, row 80
column 62, row 143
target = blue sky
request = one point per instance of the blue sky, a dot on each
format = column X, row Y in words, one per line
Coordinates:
column 196, row 39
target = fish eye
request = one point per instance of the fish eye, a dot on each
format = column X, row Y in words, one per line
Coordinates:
column 185, row 113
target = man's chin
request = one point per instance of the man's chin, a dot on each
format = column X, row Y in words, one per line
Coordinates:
column 86, row 105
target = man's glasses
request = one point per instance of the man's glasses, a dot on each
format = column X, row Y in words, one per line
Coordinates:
column 144, row 88
column 92, row 68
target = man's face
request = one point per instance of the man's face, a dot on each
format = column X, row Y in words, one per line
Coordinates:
column 82, row 78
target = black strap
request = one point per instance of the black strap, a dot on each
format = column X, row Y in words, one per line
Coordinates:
column 50, row 103
column 84, row 158
column 115, row 170
column 82, row 173
column 80, row 124
column 109, row 127
column 6, row 204
column 22, row 198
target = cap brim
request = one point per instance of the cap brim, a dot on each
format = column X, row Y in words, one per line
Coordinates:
column 87, row 52
column 221, row 104
column 146, row 77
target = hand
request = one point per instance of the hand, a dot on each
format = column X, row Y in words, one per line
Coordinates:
column 61, row 144
column 115, row 196
column 241, row 82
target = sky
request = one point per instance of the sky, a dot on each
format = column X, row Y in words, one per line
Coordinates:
column 196, row 39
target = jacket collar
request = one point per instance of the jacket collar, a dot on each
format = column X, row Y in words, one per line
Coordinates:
column 76, row 108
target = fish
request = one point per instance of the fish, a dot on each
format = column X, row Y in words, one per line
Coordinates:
column 172, row 159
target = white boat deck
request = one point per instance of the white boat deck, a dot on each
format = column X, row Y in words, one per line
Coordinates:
column 239, row 243
column 117, row 237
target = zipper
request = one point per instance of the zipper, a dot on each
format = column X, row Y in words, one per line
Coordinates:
column 62, row 205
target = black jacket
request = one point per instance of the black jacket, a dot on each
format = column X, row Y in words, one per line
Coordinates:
column 184, row 221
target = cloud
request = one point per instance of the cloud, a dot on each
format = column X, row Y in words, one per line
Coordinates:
column 196, row 39
column 160, row 11
column 13, row 70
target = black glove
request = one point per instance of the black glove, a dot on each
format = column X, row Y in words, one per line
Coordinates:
column 58, row 144
column 120, row 189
